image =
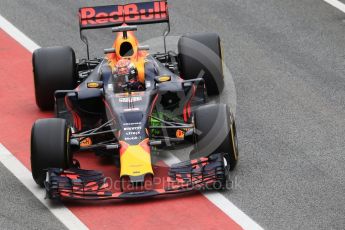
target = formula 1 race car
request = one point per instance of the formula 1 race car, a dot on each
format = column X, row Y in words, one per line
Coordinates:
column 129, row 105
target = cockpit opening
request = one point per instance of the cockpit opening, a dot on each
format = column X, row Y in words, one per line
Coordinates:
column 126, row 49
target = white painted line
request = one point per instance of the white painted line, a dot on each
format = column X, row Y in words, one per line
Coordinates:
column 337, row 4
column 223, row 204
column 64, row 214
column 16, row 34
column 24, row 175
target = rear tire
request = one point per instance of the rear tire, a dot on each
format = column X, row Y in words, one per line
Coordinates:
column 201, row 53
column 217, row 133
column 49, row 147
column 54, row 69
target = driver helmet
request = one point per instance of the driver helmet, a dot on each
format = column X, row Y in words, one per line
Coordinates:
column 126, row 71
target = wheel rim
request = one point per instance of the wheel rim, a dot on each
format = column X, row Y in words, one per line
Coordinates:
column 233, row 141
column 226, row 165
column 68, row 156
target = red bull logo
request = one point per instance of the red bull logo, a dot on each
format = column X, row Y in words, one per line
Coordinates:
column 131, row 13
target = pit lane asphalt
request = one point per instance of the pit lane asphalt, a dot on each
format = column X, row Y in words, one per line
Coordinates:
column 287, row 61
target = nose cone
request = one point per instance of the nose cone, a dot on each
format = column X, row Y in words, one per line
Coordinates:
column 135, row 159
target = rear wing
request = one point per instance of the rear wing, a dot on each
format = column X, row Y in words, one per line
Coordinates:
column 117, row 15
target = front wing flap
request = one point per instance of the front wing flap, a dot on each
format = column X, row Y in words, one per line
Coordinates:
column 80, row 184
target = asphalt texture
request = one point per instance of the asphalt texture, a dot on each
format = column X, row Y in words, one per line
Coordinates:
column 20, row 209
column 286, row 59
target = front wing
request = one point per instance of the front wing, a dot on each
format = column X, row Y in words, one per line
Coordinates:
column 79, row 184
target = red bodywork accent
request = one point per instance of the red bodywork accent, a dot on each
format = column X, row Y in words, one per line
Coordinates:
column 153, row 104
column 108, row 108
column 76, row 118
column 123, row 148
column 145, row 145
column 187, row 108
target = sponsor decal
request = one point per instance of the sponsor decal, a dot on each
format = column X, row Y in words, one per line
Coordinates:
column 164, row 78
column 131, row 109
column 132, row 128
column 130, row 99
column 110, row 87
column 179, row 133
column 118, row 14
column 85, row 142
column 127, row 94
column 132, row 124
column 94, row 85
column 132, row 138
column 132, row 133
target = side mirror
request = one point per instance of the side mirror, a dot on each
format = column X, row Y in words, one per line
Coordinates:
column 163, row 78
column 109, row 51
column 95, row 85
column 144, row 47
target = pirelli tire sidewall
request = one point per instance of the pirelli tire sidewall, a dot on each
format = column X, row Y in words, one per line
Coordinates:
column 49, row 147
column 200, row 55
column 54, row 68
column 215, row 133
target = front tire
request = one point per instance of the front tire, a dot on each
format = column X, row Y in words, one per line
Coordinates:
column 49, row 147
column 216, row 133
